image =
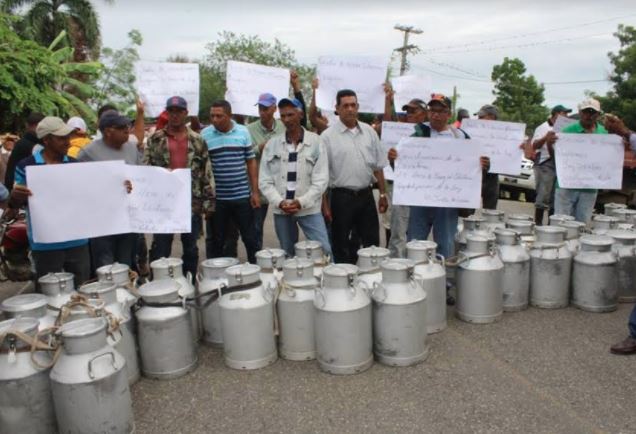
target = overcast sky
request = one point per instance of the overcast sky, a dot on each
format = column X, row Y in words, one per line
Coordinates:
column 558, row 41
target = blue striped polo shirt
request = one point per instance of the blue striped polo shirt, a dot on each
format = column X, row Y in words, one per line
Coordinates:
column 228, row 153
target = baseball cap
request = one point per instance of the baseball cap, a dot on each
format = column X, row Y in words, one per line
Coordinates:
column 441, row 99
column 266, row 99
column 290, row 101
column 590, row 103
column 112, row 118
column 488, row 109
column 177, row 101
column 559, row 108
column 54, row 126
column 415, row 103
column 77, row 123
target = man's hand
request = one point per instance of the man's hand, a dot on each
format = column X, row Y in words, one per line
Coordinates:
column 485, row 163
column 294, row 79
column 550, row 138
column 615, row 125
column 290, row 206
column 128, row 186
column 19, row 196
column 314, row 83
column 326, row 211
column 383, row 203
column 388, row 91
column 255, row 200
column 392, row 155
column 141, row 107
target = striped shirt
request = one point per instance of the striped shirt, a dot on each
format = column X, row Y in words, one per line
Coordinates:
column 229, row 153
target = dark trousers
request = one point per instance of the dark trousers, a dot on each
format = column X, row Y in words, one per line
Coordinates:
column 241, row 213
column 490, row 190
column 230, row 249
column 353, row 212
column 259, row 221
column 76, row 260
column 114, row 248
column 162, row 246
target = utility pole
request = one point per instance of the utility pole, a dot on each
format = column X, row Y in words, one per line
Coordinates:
column 406, row 48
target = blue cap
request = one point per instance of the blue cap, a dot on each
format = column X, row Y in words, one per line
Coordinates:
column 266, row 100
column 176, row 101
column 290, row 101
column 112, row 118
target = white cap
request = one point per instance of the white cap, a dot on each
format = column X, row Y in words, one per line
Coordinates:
column 590, row 103
column 77, row 123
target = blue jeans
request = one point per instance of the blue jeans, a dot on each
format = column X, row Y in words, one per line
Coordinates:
column 241, row 213
column 444, row 224
column 162, row 246
column 259, row 220
column 313, row 226
column 113, row 248
column 632, row 323
column 577, row 203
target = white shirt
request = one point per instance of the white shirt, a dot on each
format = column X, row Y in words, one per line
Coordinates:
column 539, row 133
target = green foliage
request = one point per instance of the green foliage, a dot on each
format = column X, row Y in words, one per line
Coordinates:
column 35, row 78
column 519, row 97
column 621, row 100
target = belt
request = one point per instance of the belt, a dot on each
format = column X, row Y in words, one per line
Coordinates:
column 363, row 192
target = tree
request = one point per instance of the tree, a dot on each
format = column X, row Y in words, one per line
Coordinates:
column 621, row 100
column 519, row 97
column 44, row 20
column 35, row 78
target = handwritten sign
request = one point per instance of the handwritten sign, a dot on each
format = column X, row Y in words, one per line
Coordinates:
column 246, row 81
column 407, row 87
column 589, row 161
column 393, row 132
column 562, row 122
column 158, row 81
column 99, row 205
column 437, row 173
column 501, row 142
column 364, row 75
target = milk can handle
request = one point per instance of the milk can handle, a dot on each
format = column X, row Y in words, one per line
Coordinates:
column 189, row 277
column 441, row 259
column 198, row 277
column 90, row 363
column 365, row 287
column 320, row 292
column 375, row 291
column 270, row 291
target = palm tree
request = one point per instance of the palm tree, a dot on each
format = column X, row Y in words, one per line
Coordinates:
column 44, row 20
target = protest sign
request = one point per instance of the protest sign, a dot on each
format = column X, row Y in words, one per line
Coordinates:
column 364, row 75
column 589, row 161
column 562, row 122
column 407, row 87
column 99, row 205
column 393, row 132
column 246, row 81
column 157, row 81
column 437, row 173
column 501, row 141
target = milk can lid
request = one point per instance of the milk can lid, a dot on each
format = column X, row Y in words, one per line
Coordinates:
column 97, row 288
column 23, row 302
column 159, row 289
column 114, row 268
column 308, row 245
column 340, row 270
column 596, row 240
column 621, row 234
column 298, row 263
column 56, row 277
column 270, row 253
column 397, row 264
column 23, row 324
column 83, row 327
column 421, row 245
column 166, row 262
column 374, row 251
column 219, row 262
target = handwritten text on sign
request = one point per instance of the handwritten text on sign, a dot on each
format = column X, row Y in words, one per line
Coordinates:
column 158, row 81
column 393, row 132
column 364, row 75
column 589, row 161
column 501, row 141
column 246, row 81
column 437, row 173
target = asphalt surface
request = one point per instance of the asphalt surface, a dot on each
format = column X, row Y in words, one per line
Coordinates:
column 536, row 371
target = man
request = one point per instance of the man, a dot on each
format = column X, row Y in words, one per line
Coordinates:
column 114, row 145
column 236, row 178
column 294, row 173
column 356, row 161
column 443, row 221
column 178, row 147
column 579, row 203
column 23, row 147
column 71, row 256
column 6, row 147
column 79, row 136
column 461, row 115
column 544, row 168
column 489, row 181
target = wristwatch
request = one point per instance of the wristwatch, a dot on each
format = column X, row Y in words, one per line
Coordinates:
column 382, row 195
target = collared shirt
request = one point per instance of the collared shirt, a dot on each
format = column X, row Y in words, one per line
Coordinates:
column 577, row 128
column 354, row 154
column 21, row 179
column 260, row 134
column 229, row 153
column 539, row 133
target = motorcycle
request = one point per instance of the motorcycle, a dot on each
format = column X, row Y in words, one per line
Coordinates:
column 15, row 264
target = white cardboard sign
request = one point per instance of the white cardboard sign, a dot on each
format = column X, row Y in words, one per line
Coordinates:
column 501, row 141
column 407, row 87
column 157, row 81
column 246, row 81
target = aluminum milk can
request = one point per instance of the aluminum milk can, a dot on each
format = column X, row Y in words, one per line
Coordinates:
column 312, row 250
column 493, row 219
column 609, row 208
column 26, row 403
column 520, row 217
column 516, row 272
column 550, row 268
column 295, row 308
column 343, row 322
column 603, row 223
column 58, row 288
column 89, row 384
column 211, row 277
column 574, row 230
column 247, row 318
column 479, row 281
column 172, row 268
column 107, row 291
column 430, row 273
column 625, row 215
column 369, row 260
column 625, row 250
column 166, row 346
column 525, row 229
column 557, row 219
column 470, row 224
column 30, row 306
column 399, row 316
column 119, row 274
column 594, row 283
column 271, row 262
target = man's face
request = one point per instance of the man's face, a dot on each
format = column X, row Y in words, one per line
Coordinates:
column 266, row 113
column 57, row 144
column 348, row 108
column 438, row 115
column 116, row 136
column 588, row 116
column 177, row 117
column 416, row 115
column 8, row 144
column 290, row 116
column 220, row 119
